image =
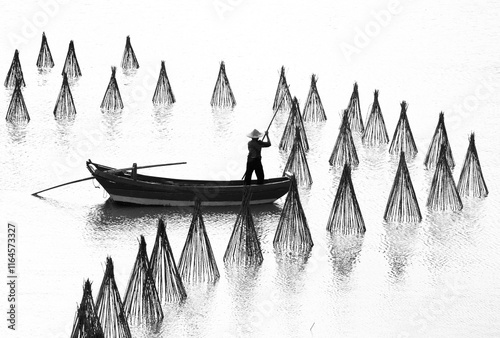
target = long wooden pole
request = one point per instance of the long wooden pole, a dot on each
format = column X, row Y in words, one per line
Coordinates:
column 109, row 171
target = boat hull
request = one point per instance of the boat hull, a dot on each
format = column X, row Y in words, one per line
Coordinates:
column 151, row 190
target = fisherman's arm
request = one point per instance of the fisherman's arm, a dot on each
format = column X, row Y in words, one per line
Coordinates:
column 264, row 143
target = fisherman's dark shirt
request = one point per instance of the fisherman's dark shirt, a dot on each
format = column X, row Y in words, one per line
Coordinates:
column 254, row 147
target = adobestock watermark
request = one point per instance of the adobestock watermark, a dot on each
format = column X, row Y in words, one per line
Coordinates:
column 484, row 90
column 32, row 25
column 422, row 320
column 222, row 7
column 364, row 36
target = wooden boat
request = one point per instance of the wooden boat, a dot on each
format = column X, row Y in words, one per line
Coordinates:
column 130, row 187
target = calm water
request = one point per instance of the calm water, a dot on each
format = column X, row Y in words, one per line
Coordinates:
column 436, row 278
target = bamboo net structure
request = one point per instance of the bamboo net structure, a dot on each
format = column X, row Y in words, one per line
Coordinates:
column 112, row 100
column 44, row 56
column 109, row 306
column 402, row 140
column 141, row 300
column 297, row 162
column 354, row 109
column 293, row 234
column 71, row 66
column 17, row 113
column 471, row 182
column 402, row 206
column 86, row 322
column 197, row 263
column 283, row 98
column 65, row 107
column 15, row 73
column 345, row 216
column 129, row 61
column 443, row 195
column 163, row 93
column 167, row 279
column 243, row 248
column 313, row 110
column 440, row 137
column 222, row 96
column 294, row 124
column 375, row 131
column 344, row 150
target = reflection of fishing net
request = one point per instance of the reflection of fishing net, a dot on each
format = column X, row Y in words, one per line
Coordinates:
column 129, row 61
column 197, row 263
column 141, row 300
column 402, row 205
column 71, row 67
column 297, row 162
column 443, row 194
column 344, row 151
column 86, row 322
column 222, row 96
column 313, row 110
column 402, row 140
column 440, row 137
column 244, row 247
column 292, row 234
column 65, row 107
column 294, row 124
column 354, row 109
column 17, row 113
column 112, row 100
column 44, row 56
column 163, row 93
column 109, row 306
column 375, row 132
column 283, row 98
column 15, row 73
column 471, row 182
column 165, row 274
column 345, row 216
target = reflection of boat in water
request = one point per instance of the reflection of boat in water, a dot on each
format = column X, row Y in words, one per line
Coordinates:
column 130, row 187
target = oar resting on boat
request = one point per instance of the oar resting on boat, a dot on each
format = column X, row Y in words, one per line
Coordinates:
column 133, row 168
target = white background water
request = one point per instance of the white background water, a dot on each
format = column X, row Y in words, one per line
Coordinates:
column 436, row 278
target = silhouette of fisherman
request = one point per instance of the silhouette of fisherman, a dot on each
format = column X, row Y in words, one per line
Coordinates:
column 254, row 158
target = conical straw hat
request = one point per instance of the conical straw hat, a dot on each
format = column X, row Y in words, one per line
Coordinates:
column 255, row 134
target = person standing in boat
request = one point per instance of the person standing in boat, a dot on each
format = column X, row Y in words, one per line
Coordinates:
column 254, row 159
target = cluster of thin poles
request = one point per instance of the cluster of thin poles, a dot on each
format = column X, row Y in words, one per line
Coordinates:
column 354, row 109
column 86, row 323
column 243, row 248
column 15, row 73
column 112, row 100
column 197, row 263
column 71, row 67
column 17, row 113
column 294, row 124
column 222, row 96
column 297, row 162
column 402, row 206
column 167, row 279
column 109, row 306
column 292, row 234
column 313, row 109
column 65, row 106
column 345, row 215
column 163, row 93
column 283, row 98
column 375, row 131
column 129, row 60
column 344, row 151
column 141, row 300
column 44, row 60
column 471, row 182
column 440, row 137
column 402, row 140
column 443, row 194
